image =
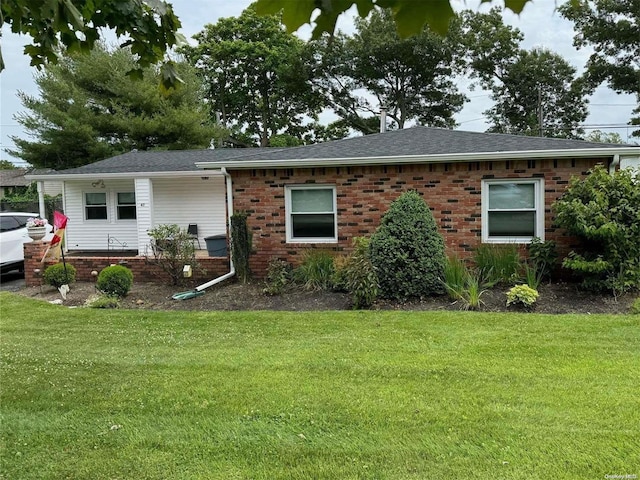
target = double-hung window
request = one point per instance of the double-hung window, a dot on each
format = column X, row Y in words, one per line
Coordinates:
column 126, row 206
column 95, row 206
column 512, row 210
column 311, row 213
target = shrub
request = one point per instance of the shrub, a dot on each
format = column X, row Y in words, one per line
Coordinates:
column 542, row 257
column 359, row 276
column 635, row 307
column 316, row 271
column 59, row 274
column 172, row 249
column 603, row 211
column 279, row 275
column 115, row 280
column 241, row 241
column 407, row 250
column 497, row 263
column 102, row 301
column 522, row 295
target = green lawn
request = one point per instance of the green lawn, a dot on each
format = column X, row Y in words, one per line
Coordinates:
column 117, row 394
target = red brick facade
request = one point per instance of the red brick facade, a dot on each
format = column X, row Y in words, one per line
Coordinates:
column 142, row 270
column 452, row 190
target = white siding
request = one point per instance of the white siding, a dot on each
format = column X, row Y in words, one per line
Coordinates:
column 159, row 201
column 144, row 207
column 630, row 162
column 51, row 188
column 94, row 234
column 191, row 200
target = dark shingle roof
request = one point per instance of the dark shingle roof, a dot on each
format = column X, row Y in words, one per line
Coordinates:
column 428, row 141
column 417, row 141
column 157, row 161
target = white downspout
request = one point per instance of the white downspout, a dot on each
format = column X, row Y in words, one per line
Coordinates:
column 615, row 163
column 232, row 269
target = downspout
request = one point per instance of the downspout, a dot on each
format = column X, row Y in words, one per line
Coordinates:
column 232, row 270
column 615, row 163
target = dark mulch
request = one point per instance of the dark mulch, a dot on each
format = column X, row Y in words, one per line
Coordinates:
column 554, row 298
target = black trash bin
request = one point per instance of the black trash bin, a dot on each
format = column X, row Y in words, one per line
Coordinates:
column 216, row 245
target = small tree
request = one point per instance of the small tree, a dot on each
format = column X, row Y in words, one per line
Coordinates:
column 172, row 249
column 407, row 250
column 604, row 212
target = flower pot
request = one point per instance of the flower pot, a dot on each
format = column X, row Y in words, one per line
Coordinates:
column 37, row 233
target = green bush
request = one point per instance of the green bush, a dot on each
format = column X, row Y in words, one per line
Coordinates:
column 172, row 249
column 635, row 307
column 279, row 275
column 316, row 271
column 241, row 244
column 542, row 257
column 359, row 275
column 498, row 263
column 407, row 250
column 115, row 280
column 603, row 211
column 522, row 295
column 59, row 274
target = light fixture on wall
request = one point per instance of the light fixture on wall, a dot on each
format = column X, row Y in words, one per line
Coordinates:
column 98, row 184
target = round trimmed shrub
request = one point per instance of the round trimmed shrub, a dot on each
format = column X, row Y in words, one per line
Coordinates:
column 115, row 280
column 59, row 274
column 407, row 250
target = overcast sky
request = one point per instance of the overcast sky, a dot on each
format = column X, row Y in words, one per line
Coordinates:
column 542, row 27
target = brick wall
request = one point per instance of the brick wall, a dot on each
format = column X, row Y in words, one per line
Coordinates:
column 452, row 190
column 142, row 271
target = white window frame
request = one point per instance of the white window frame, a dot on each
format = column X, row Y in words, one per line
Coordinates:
column 85, row 206
column 538, row 184
column 288, row 208
column 118, row 205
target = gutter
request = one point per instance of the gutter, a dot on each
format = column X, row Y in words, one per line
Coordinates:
column 412, row 159
column 614, row 164
column 232, row 269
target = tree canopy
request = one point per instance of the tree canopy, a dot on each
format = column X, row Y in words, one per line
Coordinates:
column 150, row 28
column 257, row 77
column 410, row 16
column 412, row 78
column 536, row 92
column 89, row 109
column 612, row 29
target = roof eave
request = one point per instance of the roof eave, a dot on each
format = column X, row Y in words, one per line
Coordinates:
column 116, row 175
column 408, row 159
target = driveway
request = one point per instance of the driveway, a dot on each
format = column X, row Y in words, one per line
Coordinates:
column 12, row 281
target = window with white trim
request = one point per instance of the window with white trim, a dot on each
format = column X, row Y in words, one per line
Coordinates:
column 126, row 206
column 512, row 210
column 311, row 213
column 95, row 206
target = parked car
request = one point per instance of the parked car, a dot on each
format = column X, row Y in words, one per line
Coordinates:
column 13, row 234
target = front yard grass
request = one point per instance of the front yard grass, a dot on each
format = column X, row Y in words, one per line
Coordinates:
column 139, row 394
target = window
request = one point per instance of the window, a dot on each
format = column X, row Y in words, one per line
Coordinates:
column 311, row 213
column 512, row 210
column 126, row 206
column 95, row 206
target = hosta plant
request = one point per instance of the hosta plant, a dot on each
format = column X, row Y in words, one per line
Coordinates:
column 522, row 295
